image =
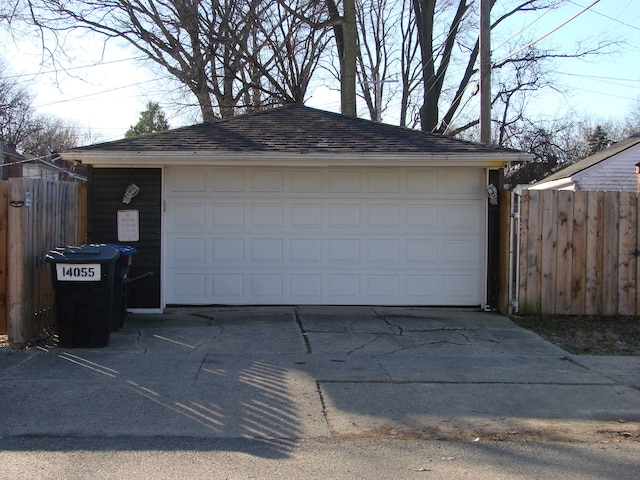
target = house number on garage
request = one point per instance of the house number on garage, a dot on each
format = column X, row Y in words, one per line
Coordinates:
column 128, row 226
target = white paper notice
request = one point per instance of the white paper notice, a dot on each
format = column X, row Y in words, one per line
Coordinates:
column 128, row 226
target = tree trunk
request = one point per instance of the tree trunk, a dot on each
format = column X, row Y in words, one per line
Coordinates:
column 425, row 11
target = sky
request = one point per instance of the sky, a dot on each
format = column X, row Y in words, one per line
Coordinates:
column 105, row 94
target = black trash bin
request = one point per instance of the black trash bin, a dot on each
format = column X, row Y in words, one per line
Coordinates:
column 120, row 290
column 83, row 280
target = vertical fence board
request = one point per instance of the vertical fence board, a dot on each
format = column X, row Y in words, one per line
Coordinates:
column 610, row 253
column 594, row 253
column 522, row 255
column 626, row 287
column 636, row 246
column 564, row 252
column 504, row 248
column 4, row 232
column 550, row 242
column 578, row 267
column 82, row 214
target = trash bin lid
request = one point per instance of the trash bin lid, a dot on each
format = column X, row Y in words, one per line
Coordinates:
column 95, row 253
column 123, row 250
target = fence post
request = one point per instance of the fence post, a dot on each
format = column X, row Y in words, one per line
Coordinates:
column 4, row 232
column 504, row 248
column 16, row 263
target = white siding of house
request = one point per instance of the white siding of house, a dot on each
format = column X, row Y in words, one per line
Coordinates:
column 617, row 173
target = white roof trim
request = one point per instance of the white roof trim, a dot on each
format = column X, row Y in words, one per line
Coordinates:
column 561, row 184
column 184, row 158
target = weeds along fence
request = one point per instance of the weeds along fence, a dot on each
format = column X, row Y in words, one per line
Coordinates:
column 574, row 253
column 35, row 216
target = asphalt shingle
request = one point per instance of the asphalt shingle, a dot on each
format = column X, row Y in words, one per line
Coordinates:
column 296, row 128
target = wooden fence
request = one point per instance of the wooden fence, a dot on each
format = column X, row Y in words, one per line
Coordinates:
column 35, row 216
column 576, row 253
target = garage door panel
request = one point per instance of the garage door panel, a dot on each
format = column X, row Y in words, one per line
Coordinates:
column 423, row 216
column 266, row 286
column 464, row 216
column 305, row 250
column 343, row 215
column 190, row 215
column 422, row 286
column 383, row 251
column 383, row 216
column 383, row 286
column 344, row 182
column 306, row 181
column 229, row 286
column 266, row 250
column 384, row 181
column 460, row 253
column 306, row 287
column 190, row 181
column 344, row 251
column 422, row 252
column 227, row 181
column 422, row 181
column 228, row 250
column 227, row 214
column 188, row 250
column 460, row 287
column 267, row 215
column 305, row 215
column 323, row 236
column 192, row 287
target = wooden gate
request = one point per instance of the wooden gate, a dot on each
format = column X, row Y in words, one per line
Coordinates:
column 35, row 216
column 574, row 253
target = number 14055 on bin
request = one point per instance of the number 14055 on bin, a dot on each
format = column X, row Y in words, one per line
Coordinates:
column 86, row 272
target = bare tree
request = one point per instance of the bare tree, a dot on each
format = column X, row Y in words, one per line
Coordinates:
column 221, row 51
column 50, row 135
column 20, row 126
column 438, row 47
column 376, row 20
column 16, row 112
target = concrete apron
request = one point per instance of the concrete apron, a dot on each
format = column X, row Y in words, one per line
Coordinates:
column 286, row 373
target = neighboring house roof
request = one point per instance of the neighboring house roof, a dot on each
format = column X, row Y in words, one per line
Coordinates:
column 51, row 166
column 9, row 152
column 567, row 177
column 292, row 129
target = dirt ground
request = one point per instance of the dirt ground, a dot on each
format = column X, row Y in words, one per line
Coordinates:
column 587, row 335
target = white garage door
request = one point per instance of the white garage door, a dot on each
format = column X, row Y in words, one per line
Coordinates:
column 335, row 236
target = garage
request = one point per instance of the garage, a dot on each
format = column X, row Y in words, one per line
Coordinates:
column 357, row 236
column 299, row 206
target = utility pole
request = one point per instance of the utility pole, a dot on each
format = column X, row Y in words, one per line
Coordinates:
column 485, row 71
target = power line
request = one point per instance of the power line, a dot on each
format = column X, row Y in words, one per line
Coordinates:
column 611, row 18
column 506, row 57
column 594, row 77
column 527, row 26
column 96, row 93
column 96, row 64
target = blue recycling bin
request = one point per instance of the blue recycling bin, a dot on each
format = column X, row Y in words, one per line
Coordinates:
column 83, row 281
column 120, row 290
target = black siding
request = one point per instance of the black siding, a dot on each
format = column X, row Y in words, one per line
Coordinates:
column 106, row 187
column 496, row 177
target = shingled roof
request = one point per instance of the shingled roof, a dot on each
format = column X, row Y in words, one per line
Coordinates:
column 592, row 160
column 295, row 128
